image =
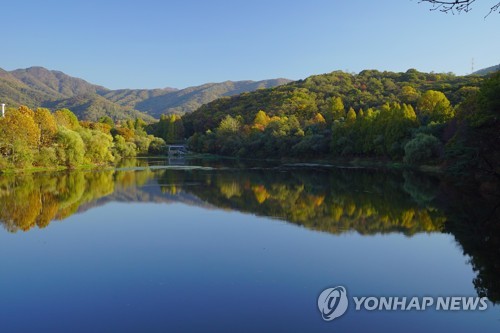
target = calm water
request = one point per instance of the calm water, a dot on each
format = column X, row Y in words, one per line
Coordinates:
column 221, row 247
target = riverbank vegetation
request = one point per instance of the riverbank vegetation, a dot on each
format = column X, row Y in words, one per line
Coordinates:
column 42, row 139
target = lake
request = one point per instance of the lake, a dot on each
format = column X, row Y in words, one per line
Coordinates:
column 226, row 246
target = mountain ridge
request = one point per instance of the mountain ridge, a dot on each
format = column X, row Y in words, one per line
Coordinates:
column 487, row 70
column 40, row 87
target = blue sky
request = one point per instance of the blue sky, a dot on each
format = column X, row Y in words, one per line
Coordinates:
column 180, row 43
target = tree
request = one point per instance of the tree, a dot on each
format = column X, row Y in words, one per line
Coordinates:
column 457, row 6
column 301, row 103
column 475, row 144
column 107, row 120
column 170, row 128
column 261, row 120
column 66, row 118
column 97, row 146
column 47, row 124
column 421, row 148
column 409, row 94
column 489, row 95
column 434, row 106
column 228, row 125
column 123, row 148
column 157, row 146
column 351, row 115
column 18, row 128
column 336, row 109
column 71, row 149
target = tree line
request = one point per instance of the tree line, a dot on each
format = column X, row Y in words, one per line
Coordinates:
column 42, row 139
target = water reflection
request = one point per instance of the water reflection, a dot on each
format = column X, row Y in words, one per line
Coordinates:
column 474, row 220
column 324, row 199
column 335, row 201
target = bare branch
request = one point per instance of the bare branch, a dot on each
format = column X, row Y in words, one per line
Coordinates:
column 451, row 6
column 494, row 9
column 457, row 6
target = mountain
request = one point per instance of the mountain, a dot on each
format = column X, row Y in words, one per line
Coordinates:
column 92, row 107
column 160, row 101
column 131, row 97
column 40, row 87
column 14, row 92
column 488, row 70
column 55, row 83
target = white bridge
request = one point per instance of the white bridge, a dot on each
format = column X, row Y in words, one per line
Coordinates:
column 179, row 150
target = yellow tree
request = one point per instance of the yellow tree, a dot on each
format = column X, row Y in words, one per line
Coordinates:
column 434, row 106
column 261, row 120
column 66, row 118
column 19, row 135
column 351, row 116
column 47, row 125
column 335, row 110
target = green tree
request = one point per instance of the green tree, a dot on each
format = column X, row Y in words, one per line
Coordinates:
column 301, row 103
column 421, row 149
column 336, row 109
column 98, row 146
column 409, row 95
column 122, row 148
column 157, row 146
column 107, row 120
column 70, row 147
column 228, row 125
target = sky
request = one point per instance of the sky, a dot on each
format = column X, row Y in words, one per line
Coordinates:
column 181, row 43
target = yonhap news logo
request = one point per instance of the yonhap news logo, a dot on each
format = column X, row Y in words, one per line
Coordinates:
column 333, row 303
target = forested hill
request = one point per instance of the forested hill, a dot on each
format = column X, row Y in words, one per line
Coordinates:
column 40, row 87
column 441, row 120
column 318, row 93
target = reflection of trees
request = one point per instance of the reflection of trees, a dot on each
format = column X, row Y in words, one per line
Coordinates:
column 36, row 199
column 474, row 218
column 333, row 201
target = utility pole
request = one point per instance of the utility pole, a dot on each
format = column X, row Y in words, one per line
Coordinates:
column 3, row 110
column 472, row 66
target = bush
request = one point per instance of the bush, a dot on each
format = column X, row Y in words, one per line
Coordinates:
column 97, row 146
column 47, row 157
column 421, row 149
column 157, row 146
column 123, row 148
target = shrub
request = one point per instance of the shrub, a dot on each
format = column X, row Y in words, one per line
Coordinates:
column 421, row 149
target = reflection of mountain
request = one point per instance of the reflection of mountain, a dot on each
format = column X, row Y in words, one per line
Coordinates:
column 334, row 201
